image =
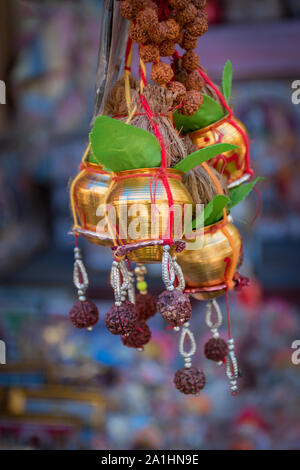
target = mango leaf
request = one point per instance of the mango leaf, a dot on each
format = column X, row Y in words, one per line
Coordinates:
column 209, row 112
column 119, row 146
column 202, row 155
column 227, row 80
column 238, row 194
column 218, row 203
column 199, row 221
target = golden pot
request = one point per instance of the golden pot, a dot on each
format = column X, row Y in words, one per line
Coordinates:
column 205, row 269
column 89, row 192
column 233, row 164
column 135, row 196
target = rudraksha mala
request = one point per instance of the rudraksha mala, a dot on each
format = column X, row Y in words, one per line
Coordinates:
column 158, row 30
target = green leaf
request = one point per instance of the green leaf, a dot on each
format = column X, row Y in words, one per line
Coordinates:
column 227, row 80
column 215, row 214
column 119, row 146
column 202, row 155
column 212, row 213
column 209, row 112
column 238, row 194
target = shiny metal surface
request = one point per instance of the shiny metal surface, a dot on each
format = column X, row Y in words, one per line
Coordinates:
column 205, row 269
column 144, row 187
column 233, row 164
column 89, row 193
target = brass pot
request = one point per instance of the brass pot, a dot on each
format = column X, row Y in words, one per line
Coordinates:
column 205, row 269
column 233, row 164
column 145, row 187
column 89, row 192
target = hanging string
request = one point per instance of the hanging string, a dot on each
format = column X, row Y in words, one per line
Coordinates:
column 230, row 119
column 127, row 73
column 163, row 173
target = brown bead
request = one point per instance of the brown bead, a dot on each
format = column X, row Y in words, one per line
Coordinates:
column 178, row 90
column 158, row 32
column 187, row 15
column 173, row 29
column 178, row 4
column 137, row 34
column 146, row 19
column 181, row 76
column 199, row 3
column 149, row 53
column 194, row 81
column 167, row 48
column 161, row 73
column 179, row 39
column 139, row 4
column 192, row 103
column 139, row 337
column 120, row 320
column 189, row 381
column 216, row 349
column 84, row 314
column 198, row 27
column 145, row 305
column 150, row 4
column 189, row 42
column 128, row 10
column 190, row 61
column 175, row 307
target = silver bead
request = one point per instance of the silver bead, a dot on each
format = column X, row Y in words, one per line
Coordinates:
column 176, row 328
column 82, row 298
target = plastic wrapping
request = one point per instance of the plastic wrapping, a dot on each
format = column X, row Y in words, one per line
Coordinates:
column 113, row 39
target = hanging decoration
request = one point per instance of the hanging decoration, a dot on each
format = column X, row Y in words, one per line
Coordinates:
column 154, row 149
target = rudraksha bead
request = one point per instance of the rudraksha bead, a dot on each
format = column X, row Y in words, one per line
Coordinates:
column 84, row 314
column 189, row 381
column 175, row 307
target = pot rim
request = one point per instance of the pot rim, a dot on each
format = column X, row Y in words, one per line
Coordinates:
column 205, row 129
column 94, row 166
column 146, row 171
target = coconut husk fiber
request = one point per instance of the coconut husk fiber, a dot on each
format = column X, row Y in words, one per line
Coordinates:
column 160, row 101
column 197, row 181
column 200, row 185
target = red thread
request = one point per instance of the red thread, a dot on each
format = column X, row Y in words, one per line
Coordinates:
column 163, row 10
column 232, row 122
column 163, row 173
column 227, row 262
column 137, row 175
column 127, row 52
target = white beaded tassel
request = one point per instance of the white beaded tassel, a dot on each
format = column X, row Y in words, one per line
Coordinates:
column 232, row 370
column 168, row 271
column 187, row 355
column 179, row 274
column 80, row 277
column 214, row 325
column 118, row 268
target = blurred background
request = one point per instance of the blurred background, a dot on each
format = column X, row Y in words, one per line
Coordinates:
column 68, row 389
